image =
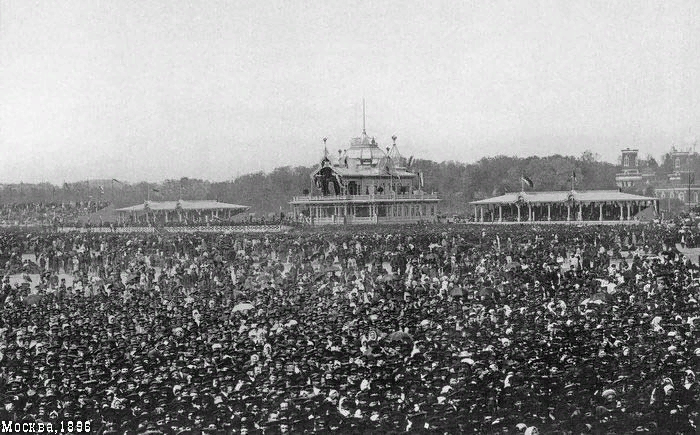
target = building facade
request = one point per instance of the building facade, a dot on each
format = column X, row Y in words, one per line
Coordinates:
column 675, row 181
column 365, row 185
column 680, row 184
column 634, row 172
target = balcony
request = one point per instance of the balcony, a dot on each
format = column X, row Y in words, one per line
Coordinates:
column 411, row 197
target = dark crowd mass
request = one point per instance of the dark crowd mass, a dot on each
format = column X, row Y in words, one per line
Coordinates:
column 47, row 213
column 417, row 329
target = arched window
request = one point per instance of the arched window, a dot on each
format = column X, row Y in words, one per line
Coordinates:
column 678, row 163
column 627, row 161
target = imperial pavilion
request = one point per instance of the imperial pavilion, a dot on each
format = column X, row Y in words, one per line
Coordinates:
column 365, row 185
column 566, row 206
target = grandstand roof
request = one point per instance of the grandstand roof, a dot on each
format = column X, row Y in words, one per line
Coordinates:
column 563, row 196
column 184, row 205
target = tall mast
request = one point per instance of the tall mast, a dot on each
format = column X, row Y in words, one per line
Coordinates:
column 364, row 131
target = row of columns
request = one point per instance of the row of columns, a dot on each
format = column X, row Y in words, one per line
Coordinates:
column 479, row 212
column 339, row 211
column 317, row 211
column 169, row 215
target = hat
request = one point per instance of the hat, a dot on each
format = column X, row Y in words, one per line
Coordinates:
column 608, row 394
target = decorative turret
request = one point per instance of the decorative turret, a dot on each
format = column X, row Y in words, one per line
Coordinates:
column 395, row 156
column 325, row 150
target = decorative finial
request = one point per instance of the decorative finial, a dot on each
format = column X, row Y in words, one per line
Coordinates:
column 387, row 149
column 325, row 148
column 340, row 152
column 394, row 139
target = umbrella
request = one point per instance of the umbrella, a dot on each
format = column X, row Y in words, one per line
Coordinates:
column 237, row 294
column 388, row 278
column 349, row 324
column 512, row 265
column 601, row 296
column 331, row 269
column 243, row 307
column 487, row 292
column 399, row 336
column 457, row 291
column 291, row 323
column 597, row 299
column 32, row 299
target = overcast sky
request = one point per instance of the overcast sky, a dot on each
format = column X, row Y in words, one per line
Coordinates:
column 148, row 90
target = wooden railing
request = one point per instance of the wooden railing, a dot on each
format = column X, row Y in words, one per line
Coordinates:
column 364, row 198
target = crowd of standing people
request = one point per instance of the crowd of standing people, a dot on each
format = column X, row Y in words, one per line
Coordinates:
column 47, row 213
column 419, row 329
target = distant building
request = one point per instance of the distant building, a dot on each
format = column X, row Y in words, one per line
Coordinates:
column 635, row 173
column 629, row 176
column 680, row 183
column 366, row 185
column 682, row 167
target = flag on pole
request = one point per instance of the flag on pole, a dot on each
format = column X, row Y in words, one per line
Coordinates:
column 117, row 181
column 156, row 190
column 527, row 180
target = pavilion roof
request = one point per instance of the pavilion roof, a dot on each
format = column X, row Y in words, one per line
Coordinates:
column 184, row 205
column 563, row 196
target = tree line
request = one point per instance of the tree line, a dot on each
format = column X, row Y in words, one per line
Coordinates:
column 457, row 183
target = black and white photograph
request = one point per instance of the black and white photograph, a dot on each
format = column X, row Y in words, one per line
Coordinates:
column 351, row 217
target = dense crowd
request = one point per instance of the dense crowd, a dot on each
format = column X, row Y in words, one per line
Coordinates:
column 419, row 329
column 77, row 214
column 47, row 213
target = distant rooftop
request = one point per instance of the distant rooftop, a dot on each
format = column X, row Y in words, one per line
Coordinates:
column 206, row 204
column 563, row 196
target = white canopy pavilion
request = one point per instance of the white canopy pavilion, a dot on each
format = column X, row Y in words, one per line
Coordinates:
column 197, row 211
column 564, row 206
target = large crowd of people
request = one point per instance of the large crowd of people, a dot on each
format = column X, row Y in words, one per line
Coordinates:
column 419, row 329
column 50, row 216
column 47, row 213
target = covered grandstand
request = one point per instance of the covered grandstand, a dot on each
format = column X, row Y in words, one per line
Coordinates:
column 564, row 206
column 181, row 211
